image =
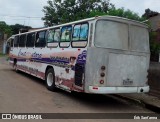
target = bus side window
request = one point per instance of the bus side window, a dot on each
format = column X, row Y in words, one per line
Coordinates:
column 30, row 40
column 76, row 32
column 40, row 39
column 22, row 41
column 57, row 35
column 16, row 41
column 53, row 38
column 80, row 35
column 66, row 33
column 84, row 32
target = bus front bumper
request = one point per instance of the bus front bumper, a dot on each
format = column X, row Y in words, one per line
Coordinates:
column 114, row 90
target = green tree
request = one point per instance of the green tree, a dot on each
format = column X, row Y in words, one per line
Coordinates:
column 16, row 28
column 5, row 29
column 121, row 12
column 58, row 12
column 63, row 11
column 154, row 46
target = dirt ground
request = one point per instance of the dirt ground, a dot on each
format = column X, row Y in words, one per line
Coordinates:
column 22, row 93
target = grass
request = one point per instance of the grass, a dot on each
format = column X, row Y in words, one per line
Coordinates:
column 2, row 55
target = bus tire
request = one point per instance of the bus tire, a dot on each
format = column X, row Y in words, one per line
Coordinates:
column 50, row 79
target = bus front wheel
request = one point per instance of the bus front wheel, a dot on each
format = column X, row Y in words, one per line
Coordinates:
column 50, row 80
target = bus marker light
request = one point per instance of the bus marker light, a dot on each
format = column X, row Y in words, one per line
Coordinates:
column 79, row 49
column 95, row 88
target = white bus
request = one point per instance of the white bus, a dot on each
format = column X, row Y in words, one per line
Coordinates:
column 99, row 55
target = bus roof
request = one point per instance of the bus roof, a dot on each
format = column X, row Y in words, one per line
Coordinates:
column 107, row 17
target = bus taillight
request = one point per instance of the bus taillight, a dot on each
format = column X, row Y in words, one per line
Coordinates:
column 101, row 81
column 102, row 74
column 103, row 68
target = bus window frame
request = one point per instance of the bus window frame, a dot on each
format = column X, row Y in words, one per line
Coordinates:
column 54, row 42
column 65, row 41
column 45, row 31
column 128, row 48
column 79, row 36
column 132, row 40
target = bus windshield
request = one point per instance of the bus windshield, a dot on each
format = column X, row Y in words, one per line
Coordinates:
column 115, row 35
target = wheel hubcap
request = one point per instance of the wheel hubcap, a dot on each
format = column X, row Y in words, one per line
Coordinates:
column 50, row 79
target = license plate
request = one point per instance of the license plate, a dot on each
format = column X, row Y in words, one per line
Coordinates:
column 127, row 82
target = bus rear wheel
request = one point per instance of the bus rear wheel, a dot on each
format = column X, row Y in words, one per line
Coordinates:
column 50, row 79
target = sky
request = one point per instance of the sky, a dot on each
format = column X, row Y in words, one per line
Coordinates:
column 29, row 12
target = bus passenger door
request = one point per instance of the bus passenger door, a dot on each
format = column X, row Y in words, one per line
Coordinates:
column 80, row 69
column 79, row 75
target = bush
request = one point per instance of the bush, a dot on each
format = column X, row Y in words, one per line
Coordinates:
column 154, row 47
